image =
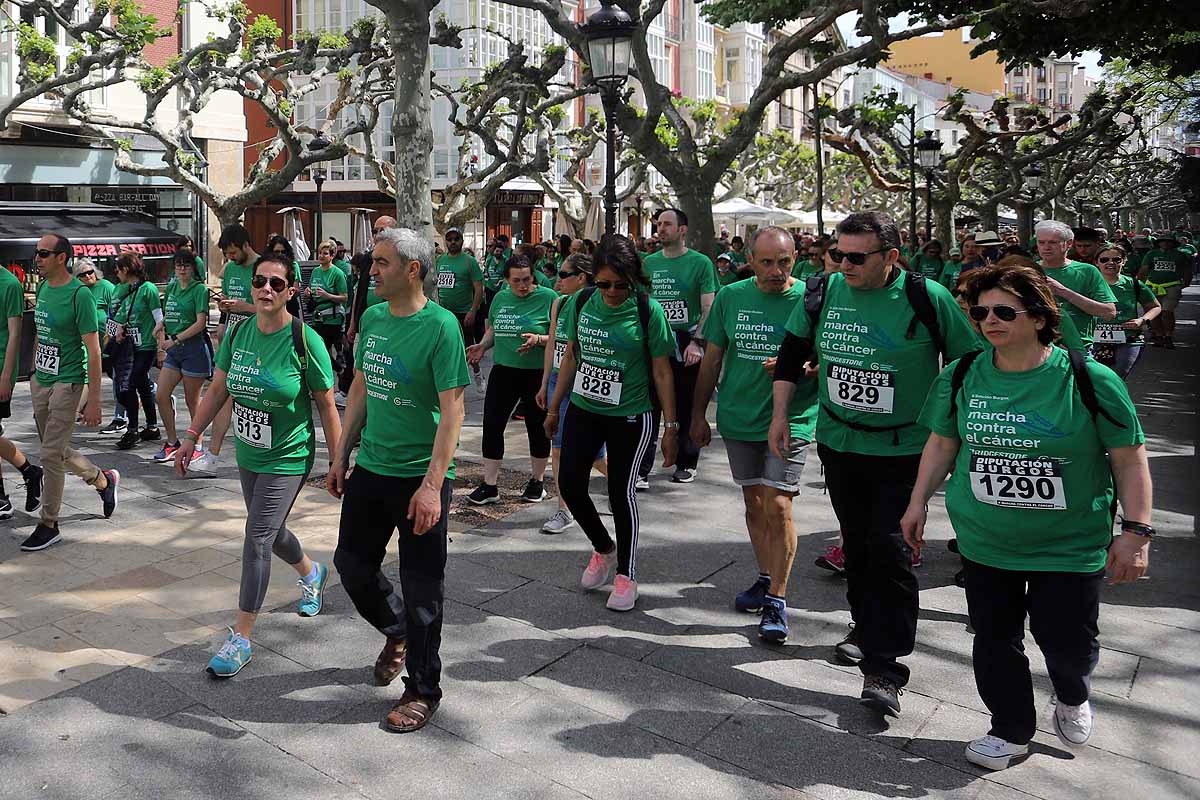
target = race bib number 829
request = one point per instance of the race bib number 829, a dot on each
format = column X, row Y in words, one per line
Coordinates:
column 860, row 389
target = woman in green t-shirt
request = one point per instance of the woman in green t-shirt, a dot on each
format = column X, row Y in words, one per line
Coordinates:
column 328, row 292
column 1036, row 437
column 518, row 327
column 618, row 348
column 138, row 310
column 182, row 335
column 274, row 367
column 1118, row 344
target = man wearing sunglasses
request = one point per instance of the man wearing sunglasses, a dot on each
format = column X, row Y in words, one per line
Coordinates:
column 460, row 288
column 1082, row 292
column 876, row 364
column 684, row 282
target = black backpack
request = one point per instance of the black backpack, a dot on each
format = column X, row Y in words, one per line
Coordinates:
column 299, row 343
column 643, row 308
column 915, row 290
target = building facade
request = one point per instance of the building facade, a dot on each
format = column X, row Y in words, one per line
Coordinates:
column 946, row 58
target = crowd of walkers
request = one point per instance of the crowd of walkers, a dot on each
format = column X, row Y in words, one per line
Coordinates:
column 997, row 372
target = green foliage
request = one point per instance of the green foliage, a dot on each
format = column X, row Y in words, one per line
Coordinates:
column 124, row 144
column 262, row 35
column 134, row 28
column 153, row 78
column 39, row 57
column 555, row 115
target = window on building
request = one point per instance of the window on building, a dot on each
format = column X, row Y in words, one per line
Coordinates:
column 732, row 64
column 1041, row 73
column 754, row 59
column 705, row 77
column 656, row 46
column 1064, row 99
column 1043, row 94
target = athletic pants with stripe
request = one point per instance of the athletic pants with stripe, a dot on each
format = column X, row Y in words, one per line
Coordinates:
column 627, row 439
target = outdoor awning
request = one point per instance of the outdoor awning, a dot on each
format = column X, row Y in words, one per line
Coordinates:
column 95, row 231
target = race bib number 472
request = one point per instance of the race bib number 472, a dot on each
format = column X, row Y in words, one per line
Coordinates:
column 1018, row 482
column 861, row 389
column 46, row 359
column 252, row 426
column 600, row 384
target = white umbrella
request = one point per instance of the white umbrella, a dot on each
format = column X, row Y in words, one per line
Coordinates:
column 593, row 226
column 293, row 231
column 562, row 224
column 809, row 218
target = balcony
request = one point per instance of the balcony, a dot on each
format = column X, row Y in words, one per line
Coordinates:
column 673, row 25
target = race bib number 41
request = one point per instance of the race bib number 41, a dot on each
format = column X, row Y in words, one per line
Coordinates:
column 1017, row 482
column 1109, row 334
column 600, row 384
column 676, row 311
column 46, row 359
column 252, row 426
column 860, row 389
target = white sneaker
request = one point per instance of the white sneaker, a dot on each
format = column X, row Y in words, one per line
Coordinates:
column 339, row 399
column 204, row 464
column 642, row 484
column 992, row 752
column 1073, row 724
column 558, row 523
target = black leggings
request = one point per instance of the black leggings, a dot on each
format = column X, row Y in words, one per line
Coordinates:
column 627, row 439
column 131, row 372
column 506, row 387
column 331, row 335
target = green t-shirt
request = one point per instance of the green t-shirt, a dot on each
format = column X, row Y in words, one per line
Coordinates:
column 235, row 285
column 543, row 279
column 12, row 304
column 871, row 373
column 560, row 333
column 343, row 265
column 1031, row 488
column 1166, row 266
column 929, row 267
column 510, row 316
column 103, row 291
column 272, row 417
column 611, row 376
column 135, row 310
column 493, row 270
column 201, row 271
column 1131, row 297
column 182, row 306
column 1087, row 281
column 456, row 277
column 748, row 324
column 332, row 280
column 677, row 284
column 728, row 277
column 950, row 272
column 1186, row 248
column 372, row 298
column 738, row 258
column 803, row 270
column 62, row 315
column 406, row 362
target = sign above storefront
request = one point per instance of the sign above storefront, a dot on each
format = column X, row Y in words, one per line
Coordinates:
column 130, row 198
column 510, row 197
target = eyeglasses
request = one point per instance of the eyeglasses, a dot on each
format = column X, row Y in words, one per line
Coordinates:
column 1109, row 260
column 278, row 285
column 89, row 273
column 1003, row 313
column 279, row 252
column 857, row 259
column 566, row 273
column 620, row 286
column 48, row 253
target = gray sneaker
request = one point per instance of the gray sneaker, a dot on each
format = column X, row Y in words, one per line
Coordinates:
column 683, row 475
column 558, row 523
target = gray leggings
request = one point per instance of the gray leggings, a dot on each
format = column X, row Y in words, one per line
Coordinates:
column 269, row 499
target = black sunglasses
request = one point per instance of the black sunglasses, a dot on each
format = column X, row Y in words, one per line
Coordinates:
column 278, row 285
column 620, row 286
column 85, row 274
column 48, row 253
column 1109, row 260
column 566, row 273
column 1003, row 313
column 857, row 259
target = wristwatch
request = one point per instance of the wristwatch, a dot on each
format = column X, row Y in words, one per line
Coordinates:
column 670, row 426
column 1137, row 528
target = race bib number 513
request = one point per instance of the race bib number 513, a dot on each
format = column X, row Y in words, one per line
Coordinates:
column 1017, row 482
column 252, row 426
column 599, row 384
column 861, row 389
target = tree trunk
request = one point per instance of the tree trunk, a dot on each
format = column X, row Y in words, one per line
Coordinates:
column 989, row 217
column 701, row 233
column 412, row 129
column 943, row 223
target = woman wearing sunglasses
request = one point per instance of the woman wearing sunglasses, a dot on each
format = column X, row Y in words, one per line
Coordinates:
column 1118, row 344
column 608, row 364
column 134, row 348
column 576, row 273
column 518, row 327
column 182, row 335
column 273, row 380
column 1030, row 500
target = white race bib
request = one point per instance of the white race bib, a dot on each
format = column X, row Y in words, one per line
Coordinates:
column 676, row 310
column 110, row 327
column 560, row 349
column 445, row 280
column 1018, row 482
column 46, row 359
column 1109, row 334
column 860, row 389
column 252, row 426
column 600, row 384
column 135, row 333
column 234, row 319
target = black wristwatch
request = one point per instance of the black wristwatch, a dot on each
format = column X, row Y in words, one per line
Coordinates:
column 1137, row 528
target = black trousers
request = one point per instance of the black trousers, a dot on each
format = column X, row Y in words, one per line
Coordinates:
column 331, row 335
column 506, row 387
column 373, row 508
column 468, row 332
column 1063, row 609
column 131, row 374
column 627, row 439
column 869, row 495
column 685, row 390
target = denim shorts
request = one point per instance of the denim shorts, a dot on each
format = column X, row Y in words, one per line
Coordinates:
column 190, row 357
column 556, row 442
column 753, row 464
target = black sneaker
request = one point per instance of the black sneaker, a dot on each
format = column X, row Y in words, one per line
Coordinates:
column 115, row 428
column 847, row 650
column 42, row 537
column 683, row 475
column 33, row 488
column 1169, row 343
column 485, row 494
column 150, row 434
column 129, row 441
column 6, row 509
column 534, row 492
column 108, row 495
column 881, row 694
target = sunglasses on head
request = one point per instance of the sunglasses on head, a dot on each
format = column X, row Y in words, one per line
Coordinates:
column 1003, row 313
column 48, row 253
column 278, row 285
column 620, row 286
column 566, row 273
column 857, row 259
column 1109, row 260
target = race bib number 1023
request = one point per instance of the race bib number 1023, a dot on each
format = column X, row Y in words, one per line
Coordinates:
column 676, row 311
column 1018, row 482
column 860, row 389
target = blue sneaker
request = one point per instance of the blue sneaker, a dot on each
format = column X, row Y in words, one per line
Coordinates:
column 311, row 594
column 773, row 627
column 751, row 600
column 232, row 656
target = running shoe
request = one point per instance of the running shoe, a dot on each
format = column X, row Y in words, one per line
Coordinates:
column 108, row 495
column 129, row 441
column 683, row 475
column 1073, row 724
column 751, row 600
column 150, row 434
column 596, row 573
column 205, row 463
column 773, row 626
column 33, row 488
column 115, row 428
column 834, row 560
column 559, row 522
column 6, row 507
column 916, row 558
column 643, row 483
column 881, row 694
column 535, row 492
column 1169, row 343
column 848, row 651
column 624, row 594
column 232, row 656
column 167, row 452
column 42, row 537
column 994, row 753
column 518, row 416
column 339, row 399
column 484, row 494
column 311, row 594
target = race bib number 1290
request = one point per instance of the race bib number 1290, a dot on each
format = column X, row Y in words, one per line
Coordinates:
column 1018, row 482
column 600, row 384
column 860, row 389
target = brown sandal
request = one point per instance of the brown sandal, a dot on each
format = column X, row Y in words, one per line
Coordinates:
column 411, row 714
column 390, row 662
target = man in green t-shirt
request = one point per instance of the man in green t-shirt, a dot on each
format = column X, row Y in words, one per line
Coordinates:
column 1166, row 270
column 1087, row 244
column 744, row 331
column 65, row 317
column 406, row 406
column 12, row 304
column 878, row 355
column 1082, row 292
column 684, row 282
column 460, row 287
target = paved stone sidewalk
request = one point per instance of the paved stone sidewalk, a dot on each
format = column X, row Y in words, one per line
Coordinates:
column 103, row 640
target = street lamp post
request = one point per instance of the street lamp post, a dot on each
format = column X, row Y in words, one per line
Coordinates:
column 912, row 178
column 929, row 152
column 318, row 142
column 1032, row 177
column 609, row 33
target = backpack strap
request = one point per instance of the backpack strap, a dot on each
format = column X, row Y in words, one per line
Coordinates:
column 581, row 298
column 958, row 377
column 917, row 291
column 814, row 299
column 643, row 308
column 1087, row 389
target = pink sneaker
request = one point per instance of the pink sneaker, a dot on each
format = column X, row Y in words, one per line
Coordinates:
column 916, row 559
column 596, row 573
column 834, row 560
column 624, row 594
